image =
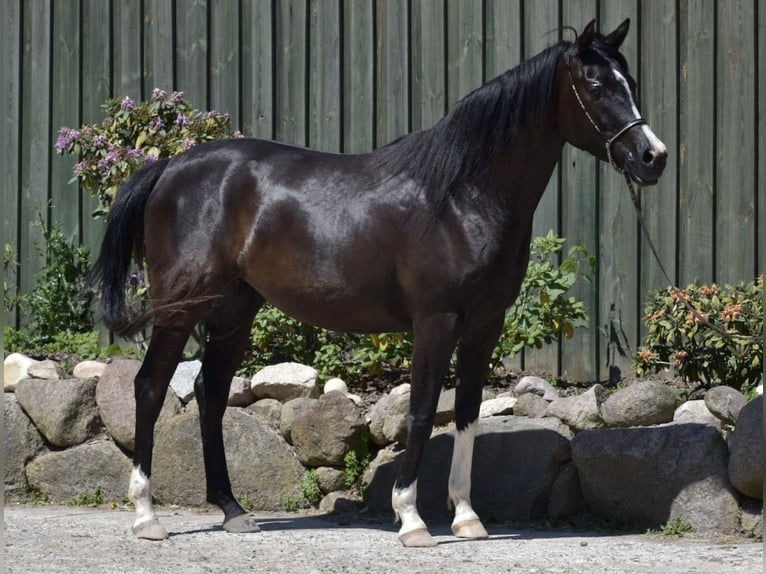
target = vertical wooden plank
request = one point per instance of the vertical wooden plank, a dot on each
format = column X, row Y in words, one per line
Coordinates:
column 502, row 30
column 325, row 81
column 429, row 100
column 358, row 74
column 96, row 89
column 158, row 46
column 465, row 29
column 392, row 71
column 735, row 164
column 35, row 141
column 579, row 215
column 540, row 18
column 127, row 67
column 65, row 204
column 659, row 106
column 257, row 68
column 224, row 59
column 191, row 51
column 696, row 148
column 291, row 72
column 619, row 308
column 760, row 184
column 10, row 74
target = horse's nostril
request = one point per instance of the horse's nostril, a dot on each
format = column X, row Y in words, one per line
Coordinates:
column 648, row 157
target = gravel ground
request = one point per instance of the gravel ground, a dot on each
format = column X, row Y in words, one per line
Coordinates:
column 82, row 540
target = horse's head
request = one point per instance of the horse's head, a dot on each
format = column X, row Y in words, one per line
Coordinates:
column 597, row 109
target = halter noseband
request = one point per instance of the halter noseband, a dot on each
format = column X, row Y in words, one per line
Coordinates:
column 607, row 141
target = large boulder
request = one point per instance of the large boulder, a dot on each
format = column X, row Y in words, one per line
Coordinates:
column 117, row 404
column 287, row 415
column 530, row 405
column 285, row 381
column 64, row 411
column 261, row 464
column 46, row 369
column 538, row 386
column 89, row 370
column 648, row 476
column 269, row 410
column 725, row 403
column 22, row 443
column 240, row 393
column 323, row 432
column 642, row 404
column 695, row 412
column 16, row 368
column 498, row 406
column 515, row 464
column 84, row 469
column 388, row 419
column 580, row 412
column 746, row 450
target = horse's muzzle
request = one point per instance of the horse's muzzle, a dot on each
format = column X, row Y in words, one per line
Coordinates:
column 647, row 166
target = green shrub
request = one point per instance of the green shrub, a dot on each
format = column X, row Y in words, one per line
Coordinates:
column 133, row 134
column 356, row 462
column 677, row 339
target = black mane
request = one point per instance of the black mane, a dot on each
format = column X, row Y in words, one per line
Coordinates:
column 460, row 148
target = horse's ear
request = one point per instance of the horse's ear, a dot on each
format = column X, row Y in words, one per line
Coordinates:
column 584, row 40
column 617, row 37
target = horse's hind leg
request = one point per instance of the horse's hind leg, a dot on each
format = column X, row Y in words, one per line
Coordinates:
column 473, row 355
column 151, row 385
column 229, row 324
column 435, row 339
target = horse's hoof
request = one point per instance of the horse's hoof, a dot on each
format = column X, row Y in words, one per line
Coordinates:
column 419, row 538
column 241, row 524
column 470, row 529
column 150, row 530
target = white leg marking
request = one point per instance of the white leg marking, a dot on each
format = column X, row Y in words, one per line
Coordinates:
column 404, row 502
column 460, row 475
column 140, row 493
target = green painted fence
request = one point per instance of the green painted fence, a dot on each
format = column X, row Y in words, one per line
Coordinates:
column 351, row 75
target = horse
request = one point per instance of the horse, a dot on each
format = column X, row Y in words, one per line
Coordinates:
column 429, row 234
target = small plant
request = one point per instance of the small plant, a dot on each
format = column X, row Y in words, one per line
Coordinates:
column 356, row 462
column 310, row 489
column 246, row 502
column 677, row 338
column 290, row 504
column 677, row 527
column 134, row 133
column 87, row 499
column 542, row 310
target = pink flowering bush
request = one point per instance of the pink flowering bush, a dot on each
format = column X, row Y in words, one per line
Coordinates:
column 134, row 133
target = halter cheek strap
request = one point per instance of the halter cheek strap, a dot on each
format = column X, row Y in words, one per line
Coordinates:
column 607, row 141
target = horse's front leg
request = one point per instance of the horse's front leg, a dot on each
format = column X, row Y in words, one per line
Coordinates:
column 473, row 355
column 435, row 339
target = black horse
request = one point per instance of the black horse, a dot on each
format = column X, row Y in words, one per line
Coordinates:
column 429, row 234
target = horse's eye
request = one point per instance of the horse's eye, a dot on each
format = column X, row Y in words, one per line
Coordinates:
column 594, row 89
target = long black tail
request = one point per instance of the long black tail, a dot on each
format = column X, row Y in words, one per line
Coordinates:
column 124, row 238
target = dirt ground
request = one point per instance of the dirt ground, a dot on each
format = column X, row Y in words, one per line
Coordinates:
column 42, row 539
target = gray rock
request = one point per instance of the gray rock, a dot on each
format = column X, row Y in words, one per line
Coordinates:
column 725, row 403
column 84, row 469
column 746, row 450
column 516, row 461
column 751, row 518
column 445, row 409
column 46, row 369
column 388, row 419
column 331, row 479
column 695, row 412
column 642, row 404
column 650, row 475
column 22, row 443
column 340, row 503
column 240, row 393
column 566, row 495
column 336, row 384
column 323, row 432
column 580, row 412
column 16, row 368
column 497, row 407
column 285, row 381
column 117, row 404
column 183, row 379
column 64, row 411
column 530, row 405
column 287, row 415
column 89, row 370
column 269, row 410
column 538, row 386
column 261, row 464
column 402, row 389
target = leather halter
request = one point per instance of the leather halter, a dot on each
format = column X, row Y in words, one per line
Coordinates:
column 607, row 141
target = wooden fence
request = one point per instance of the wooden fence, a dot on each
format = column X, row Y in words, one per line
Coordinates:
column 350, row 75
